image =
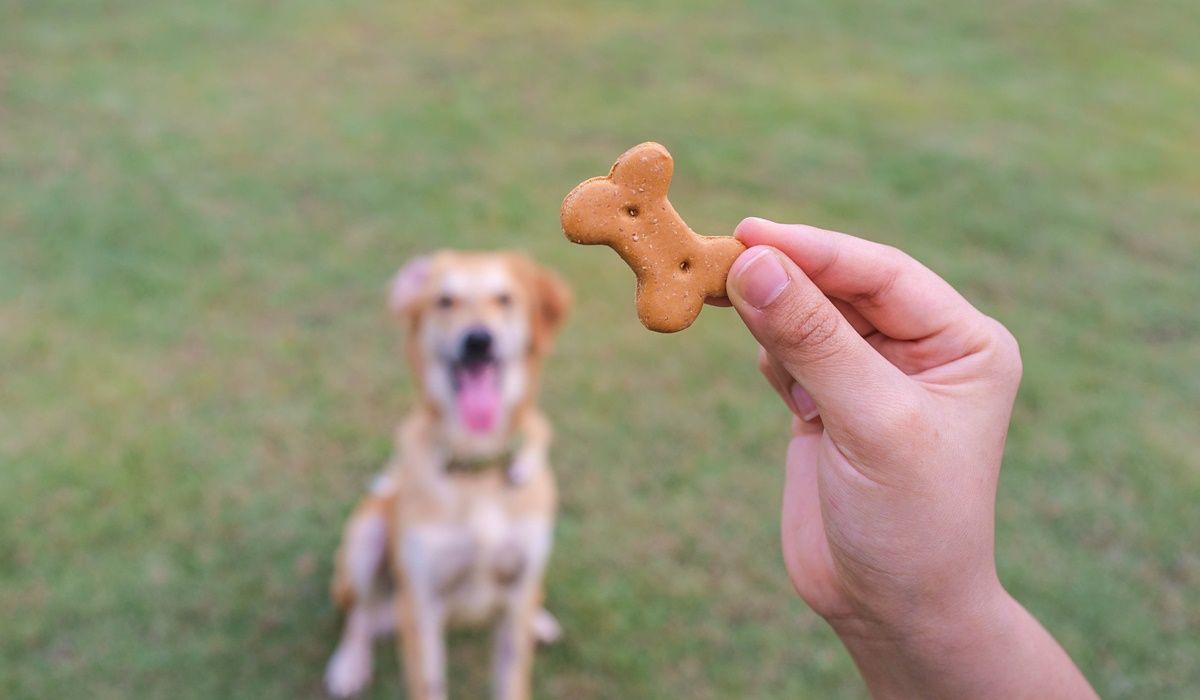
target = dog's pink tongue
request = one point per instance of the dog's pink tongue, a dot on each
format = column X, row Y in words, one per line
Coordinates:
column 478, row 398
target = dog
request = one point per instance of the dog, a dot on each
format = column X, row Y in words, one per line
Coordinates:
column 458, row 526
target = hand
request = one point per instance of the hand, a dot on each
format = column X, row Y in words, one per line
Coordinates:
column 901, row 393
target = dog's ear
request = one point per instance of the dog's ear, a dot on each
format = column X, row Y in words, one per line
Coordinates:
column 407, row 286
column 551, row 303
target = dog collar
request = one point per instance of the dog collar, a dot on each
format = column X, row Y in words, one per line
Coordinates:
column 477, row 465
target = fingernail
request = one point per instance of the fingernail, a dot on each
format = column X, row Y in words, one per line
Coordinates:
column 805, row 405
column 751, row 221
column 762, row 279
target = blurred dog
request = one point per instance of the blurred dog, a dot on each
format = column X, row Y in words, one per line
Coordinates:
column 458, row 527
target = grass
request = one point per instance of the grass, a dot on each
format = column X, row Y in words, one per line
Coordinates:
column 200, row 204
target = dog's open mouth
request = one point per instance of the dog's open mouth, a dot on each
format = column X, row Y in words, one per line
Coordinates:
column 475, row 376
column 477, row 394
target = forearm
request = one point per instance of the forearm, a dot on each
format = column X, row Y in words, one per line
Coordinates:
column 1001, row 651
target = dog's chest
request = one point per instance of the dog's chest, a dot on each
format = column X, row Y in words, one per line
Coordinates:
column 477, row 561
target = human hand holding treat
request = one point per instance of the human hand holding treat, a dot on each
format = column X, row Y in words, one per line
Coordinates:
column 901, row 393
column 676, row 268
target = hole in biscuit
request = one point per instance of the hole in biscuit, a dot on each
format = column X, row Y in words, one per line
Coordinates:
column 684, row 265
column 632, row 211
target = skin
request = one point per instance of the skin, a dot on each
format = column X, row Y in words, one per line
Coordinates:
column 901, row 394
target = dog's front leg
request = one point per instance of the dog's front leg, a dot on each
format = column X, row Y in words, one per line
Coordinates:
column 515, row 642
column 422, row 621
column 359, row 588
column 513, row 646
column 423, row 640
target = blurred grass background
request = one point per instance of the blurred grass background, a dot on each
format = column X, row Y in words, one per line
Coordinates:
column 200, row 204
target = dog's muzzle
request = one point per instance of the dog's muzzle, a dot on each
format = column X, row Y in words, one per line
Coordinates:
column 476, row 347
column 475, row 376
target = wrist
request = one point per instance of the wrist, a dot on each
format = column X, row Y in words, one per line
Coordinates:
column 937, row 649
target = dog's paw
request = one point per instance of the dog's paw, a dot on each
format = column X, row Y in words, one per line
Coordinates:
column 546, row 629
column 349, row 670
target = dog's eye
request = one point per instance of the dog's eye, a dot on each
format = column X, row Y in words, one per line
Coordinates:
column 503, row 299
column 445, row 301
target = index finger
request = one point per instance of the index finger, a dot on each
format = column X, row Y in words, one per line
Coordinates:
column 900, row 297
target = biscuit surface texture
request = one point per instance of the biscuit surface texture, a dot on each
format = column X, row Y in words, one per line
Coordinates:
column 676, row 268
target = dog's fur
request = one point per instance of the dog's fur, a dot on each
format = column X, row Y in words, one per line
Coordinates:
column 458, row 526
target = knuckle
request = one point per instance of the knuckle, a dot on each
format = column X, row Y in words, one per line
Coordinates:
column 892, row 263
column 1004, row 352
column 812, row 331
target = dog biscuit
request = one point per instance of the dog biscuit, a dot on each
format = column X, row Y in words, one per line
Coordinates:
column 676, row 268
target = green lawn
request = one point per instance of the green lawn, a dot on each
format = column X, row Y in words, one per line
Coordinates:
column 200, row 205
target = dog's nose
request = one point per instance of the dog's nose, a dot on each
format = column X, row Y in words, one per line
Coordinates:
column 477, row 345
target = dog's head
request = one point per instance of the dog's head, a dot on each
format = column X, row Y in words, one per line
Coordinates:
column 478, row 326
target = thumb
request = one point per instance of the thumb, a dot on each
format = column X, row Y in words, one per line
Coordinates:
column 856, row 389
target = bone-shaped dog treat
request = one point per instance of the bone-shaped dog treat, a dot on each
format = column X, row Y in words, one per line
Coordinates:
column 628, row 210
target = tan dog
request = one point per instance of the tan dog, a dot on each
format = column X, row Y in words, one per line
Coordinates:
column 458, row 527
